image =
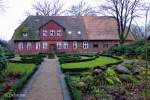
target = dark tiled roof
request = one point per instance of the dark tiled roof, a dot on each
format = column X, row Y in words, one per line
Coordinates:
column 73, row 24
column 91, row 28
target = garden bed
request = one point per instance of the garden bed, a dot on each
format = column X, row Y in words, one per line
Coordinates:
column 86, row 65
column 16, row 76
column 110, row 84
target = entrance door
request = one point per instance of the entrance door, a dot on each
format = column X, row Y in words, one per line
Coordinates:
column 52, row 48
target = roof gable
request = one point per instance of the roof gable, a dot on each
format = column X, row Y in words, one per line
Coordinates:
column 51, row 20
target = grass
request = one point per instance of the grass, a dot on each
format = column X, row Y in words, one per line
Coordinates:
column 20, row 68
column 101, row 61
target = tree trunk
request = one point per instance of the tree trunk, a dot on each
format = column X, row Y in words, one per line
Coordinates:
column 122, row 41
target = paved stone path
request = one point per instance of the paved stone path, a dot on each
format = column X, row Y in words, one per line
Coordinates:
column 46, row 86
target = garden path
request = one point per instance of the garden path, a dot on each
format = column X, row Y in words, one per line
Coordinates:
column 46, row 86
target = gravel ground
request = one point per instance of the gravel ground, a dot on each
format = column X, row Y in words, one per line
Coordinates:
column 46, row 86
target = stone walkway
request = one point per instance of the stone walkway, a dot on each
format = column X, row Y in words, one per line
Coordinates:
column 46, row 86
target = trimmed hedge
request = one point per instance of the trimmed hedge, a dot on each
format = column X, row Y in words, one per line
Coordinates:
column 86, row 69
column 18, row 86
column 76, row 58
column 72, row 70
column 75, row 94
column 36, row 59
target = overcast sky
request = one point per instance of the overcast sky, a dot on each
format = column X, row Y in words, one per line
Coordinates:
column 15, row 13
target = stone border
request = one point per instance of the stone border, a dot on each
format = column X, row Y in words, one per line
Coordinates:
column 65, row 90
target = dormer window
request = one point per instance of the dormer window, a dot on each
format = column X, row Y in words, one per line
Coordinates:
column 58, row 32
column 44, row 32
column 79, row 32
column 25, row 34
column 52, row 33
column 69, row 32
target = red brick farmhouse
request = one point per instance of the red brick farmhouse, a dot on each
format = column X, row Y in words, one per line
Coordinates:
column 43, row 34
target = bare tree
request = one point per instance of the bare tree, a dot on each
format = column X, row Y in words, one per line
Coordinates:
column 81, row 9
column 138, row 32
column 48, row 8
column 124, row 11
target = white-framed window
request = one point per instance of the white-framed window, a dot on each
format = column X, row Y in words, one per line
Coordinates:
column 65, row 45
column 75, row 45
column 45, row 32
column 59, row 32
column 20, row 45
column 29, row 45
column 37, row 45
column 85, row 45
column 45, row 45
column 52, row 33
column 58, row 45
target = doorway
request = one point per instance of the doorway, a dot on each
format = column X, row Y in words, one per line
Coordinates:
column 52, row 48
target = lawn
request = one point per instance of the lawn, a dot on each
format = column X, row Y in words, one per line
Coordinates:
column 20, row 68
column 101, row 61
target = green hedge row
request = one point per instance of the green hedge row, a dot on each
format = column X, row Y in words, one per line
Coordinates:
column 76, row 58
column 36, row 59
column 75, row 94
column 72, row 70
column 18, row 86
column 75, row 70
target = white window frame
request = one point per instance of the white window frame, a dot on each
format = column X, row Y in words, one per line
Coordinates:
column 65, row 45
column 59, row 45
column 45, row 32
column 75, row 44
column 52, row 32
column 29, row 45
column 20, row 45
column 85, row 45
column 45, row 45
column 38, row 45
column 59, row 32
